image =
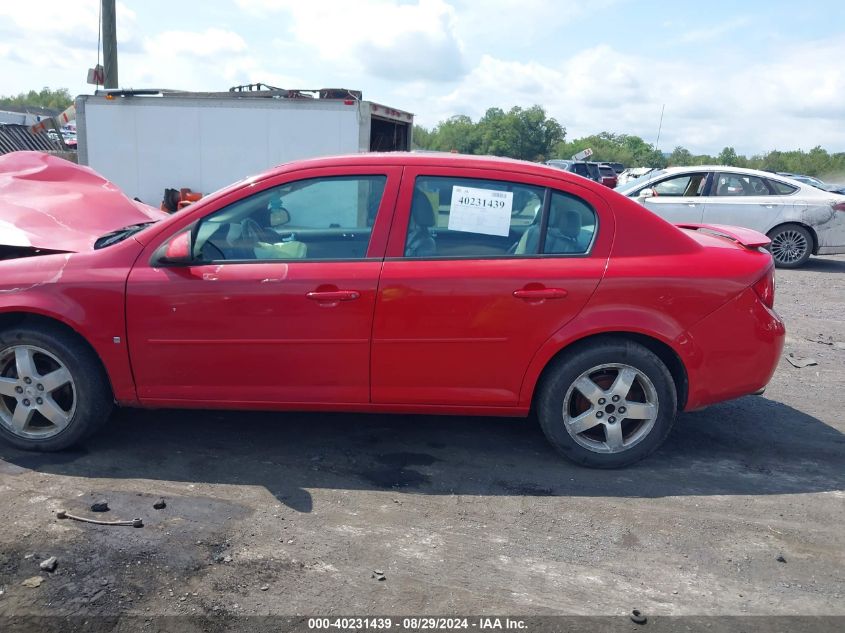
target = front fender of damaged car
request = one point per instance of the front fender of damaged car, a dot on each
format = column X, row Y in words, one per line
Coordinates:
column 83, row 291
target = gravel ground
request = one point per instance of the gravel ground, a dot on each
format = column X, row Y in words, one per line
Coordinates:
column 740, row 513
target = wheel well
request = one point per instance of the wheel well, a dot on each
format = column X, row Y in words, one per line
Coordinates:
column 11, row 319
column 660, row 349
column 807, row 228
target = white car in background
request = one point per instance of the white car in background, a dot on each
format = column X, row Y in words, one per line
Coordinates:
column 800, row 219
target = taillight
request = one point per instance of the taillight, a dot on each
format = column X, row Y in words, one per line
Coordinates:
column 765, row 288
column 839, row 206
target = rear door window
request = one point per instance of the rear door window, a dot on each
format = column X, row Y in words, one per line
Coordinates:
column 469, row 218
column 734, row 184
column 462, row 217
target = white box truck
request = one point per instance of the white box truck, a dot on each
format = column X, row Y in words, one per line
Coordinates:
column 146, row 141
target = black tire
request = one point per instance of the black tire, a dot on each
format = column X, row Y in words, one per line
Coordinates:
column 791, row 245
column 86, row 400
column 604, row 361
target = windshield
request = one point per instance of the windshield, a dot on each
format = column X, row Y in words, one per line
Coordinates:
column 639, row 182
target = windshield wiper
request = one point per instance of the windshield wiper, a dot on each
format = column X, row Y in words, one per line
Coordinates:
column 119, row 235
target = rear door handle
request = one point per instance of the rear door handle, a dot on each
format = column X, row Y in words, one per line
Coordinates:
column 536, row 294
column 333, row 296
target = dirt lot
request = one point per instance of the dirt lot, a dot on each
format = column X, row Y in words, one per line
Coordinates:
column 292, row 514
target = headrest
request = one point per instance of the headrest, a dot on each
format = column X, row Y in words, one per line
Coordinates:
column 422, row 211
column 567, row 221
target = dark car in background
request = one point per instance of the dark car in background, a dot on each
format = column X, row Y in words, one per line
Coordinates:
column 609, row 177
column 815, row 182
column 582, row 168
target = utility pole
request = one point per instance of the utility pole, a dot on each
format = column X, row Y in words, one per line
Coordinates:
column 109, row 27
column 659, row 127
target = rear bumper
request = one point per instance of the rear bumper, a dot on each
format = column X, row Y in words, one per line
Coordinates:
column 734, row 351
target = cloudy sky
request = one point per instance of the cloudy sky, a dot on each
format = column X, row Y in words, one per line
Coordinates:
column 755, row 75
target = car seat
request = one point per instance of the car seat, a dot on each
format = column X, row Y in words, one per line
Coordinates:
column 420, row 242
column 217, row 240
column 561, row 237
column 563, row 233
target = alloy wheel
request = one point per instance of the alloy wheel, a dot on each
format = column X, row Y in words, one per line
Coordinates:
column 610, row 408
column 37, row 392
column 789, row 246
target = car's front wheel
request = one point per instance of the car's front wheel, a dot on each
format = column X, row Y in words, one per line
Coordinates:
column 53, row 390
column 607, row 404
column 791, row 245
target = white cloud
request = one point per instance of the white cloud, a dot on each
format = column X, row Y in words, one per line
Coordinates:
column 211, row 64
column 399, row 42
column 714, row 32
column 794, row 100
column 210, row 43
column 48, row 41
column 50, row 25
column 438, row 58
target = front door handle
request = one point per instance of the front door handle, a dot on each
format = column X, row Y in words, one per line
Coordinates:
column 333, row 296
column 538, row 294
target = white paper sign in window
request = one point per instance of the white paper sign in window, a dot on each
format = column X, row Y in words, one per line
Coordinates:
column 480, row 211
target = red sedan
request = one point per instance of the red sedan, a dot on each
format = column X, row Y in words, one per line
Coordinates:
column 381, row 283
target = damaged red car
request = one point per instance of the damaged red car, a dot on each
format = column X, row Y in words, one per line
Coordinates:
column 399, row 283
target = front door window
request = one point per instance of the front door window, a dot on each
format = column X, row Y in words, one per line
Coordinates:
column 686, row 186
column 313, row 219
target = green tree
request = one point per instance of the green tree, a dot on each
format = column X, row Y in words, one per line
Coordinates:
column 530, row 135
column 527, row 134
column 457, row 134
column 680, row 157
column 523, row 134
column 45, row 98
column 421, row 138
column 727, row 157
column 632, row 151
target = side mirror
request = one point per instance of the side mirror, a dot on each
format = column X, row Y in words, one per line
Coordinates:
column 177, row 251
column 647, row 193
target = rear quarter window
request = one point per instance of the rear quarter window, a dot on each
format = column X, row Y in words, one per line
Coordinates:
column 571, row 226
column 781, row 188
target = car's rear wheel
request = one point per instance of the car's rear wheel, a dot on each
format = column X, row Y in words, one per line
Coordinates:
column 607, row 405
column 53, row 390
column 791, row 245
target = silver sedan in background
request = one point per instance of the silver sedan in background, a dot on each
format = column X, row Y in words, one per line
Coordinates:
column 800, row 219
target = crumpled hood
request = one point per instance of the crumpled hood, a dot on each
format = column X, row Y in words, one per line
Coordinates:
column 50, row 203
